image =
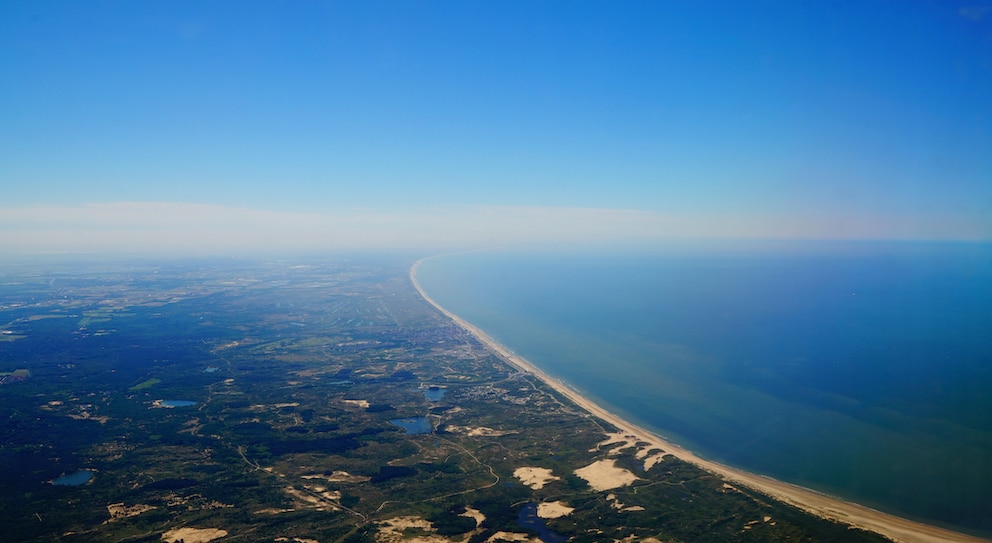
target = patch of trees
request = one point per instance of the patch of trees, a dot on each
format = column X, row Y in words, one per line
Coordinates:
column 392, row 472
column 403, row 375
column 171, row 484
column 443, row 467
column 448, row 523
column 330, row 445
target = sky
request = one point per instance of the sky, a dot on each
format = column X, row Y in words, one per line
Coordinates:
column 205, row 126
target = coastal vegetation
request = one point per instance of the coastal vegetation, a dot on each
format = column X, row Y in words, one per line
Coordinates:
column 295, row 381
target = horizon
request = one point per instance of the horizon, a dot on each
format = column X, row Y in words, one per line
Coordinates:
column 253, row 127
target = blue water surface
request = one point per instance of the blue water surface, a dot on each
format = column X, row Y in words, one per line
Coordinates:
column 434, row 394
column 178, row 403
column 414, row 425
column 860, row 369
column 527, row 518
column 80, row 477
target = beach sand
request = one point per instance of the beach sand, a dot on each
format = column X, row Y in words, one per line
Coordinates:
column 823, row 505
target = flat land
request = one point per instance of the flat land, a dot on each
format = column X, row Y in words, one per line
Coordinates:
column 285, row 375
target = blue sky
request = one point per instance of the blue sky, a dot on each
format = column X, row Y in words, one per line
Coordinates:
column 476, row 122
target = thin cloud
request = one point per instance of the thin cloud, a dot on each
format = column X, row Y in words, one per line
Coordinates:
column 169, row 227
column 975, row 13
column 166, row 226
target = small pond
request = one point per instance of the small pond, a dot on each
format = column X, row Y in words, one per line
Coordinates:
column 177, row 403
column 434, row 393
column 415, row 425
column 74, row 479
column 528, row 519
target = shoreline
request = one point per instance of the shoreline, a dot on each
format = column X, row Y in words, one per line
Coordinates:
column 822, row 505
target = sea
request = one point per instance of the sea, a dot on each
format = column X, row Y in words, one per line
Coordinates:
column 859, row 369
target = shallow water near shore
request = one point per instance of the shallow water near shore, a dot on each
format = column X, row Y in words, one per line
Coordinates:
column 862, row 370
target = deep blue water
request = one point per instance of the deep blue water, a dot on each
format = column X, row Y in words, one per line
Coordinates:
column 527, row 518
column 178, row 403
column 415, row 425
column 434, row 394
column 863, row 370
column 74, row 479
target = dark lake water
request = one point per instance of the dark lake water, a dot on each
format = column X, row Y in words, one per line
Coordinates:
column 434, row 394
column 859, row 369
column 527, row 518
column 80, row 477
column 415, row 425
column 177, row 403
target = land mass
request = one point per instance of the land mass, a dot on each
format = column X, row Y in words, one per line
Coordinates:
column 324, row 400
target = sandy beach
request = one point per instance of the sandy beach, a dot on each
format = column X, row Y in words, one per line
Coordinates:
column 893, row 527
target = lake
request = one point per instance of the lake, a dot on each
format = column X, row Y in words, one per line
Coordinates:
column 78, row 478
column 415, row 425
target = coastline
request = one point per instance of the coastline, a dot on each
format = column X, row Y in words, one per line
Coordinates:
column 891, row 526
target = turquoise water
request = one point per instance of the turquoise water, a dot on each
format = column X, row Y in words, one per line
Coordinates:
column 177, row 403
column 74, row 479
column 863, row 370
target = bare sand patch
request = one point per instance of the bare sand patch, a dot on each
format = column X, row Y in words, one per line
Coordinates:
column 272, row 511
column 323, row 492
column 604, row 475
column 619, row 506
column 474, row 514
column 338, row 477
column 86, row 415
column 619, row 440
column 269, row 407
column 614, row 501
column 643, row 452
column 488, row 432
column 654, row 459
column 364, row 404
column 535, row 478
column 394, row 531
column 553, row 510
column 193, row 535
column 119, row 510
column 477, row 431
column 321, row 502
column 512, row 536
